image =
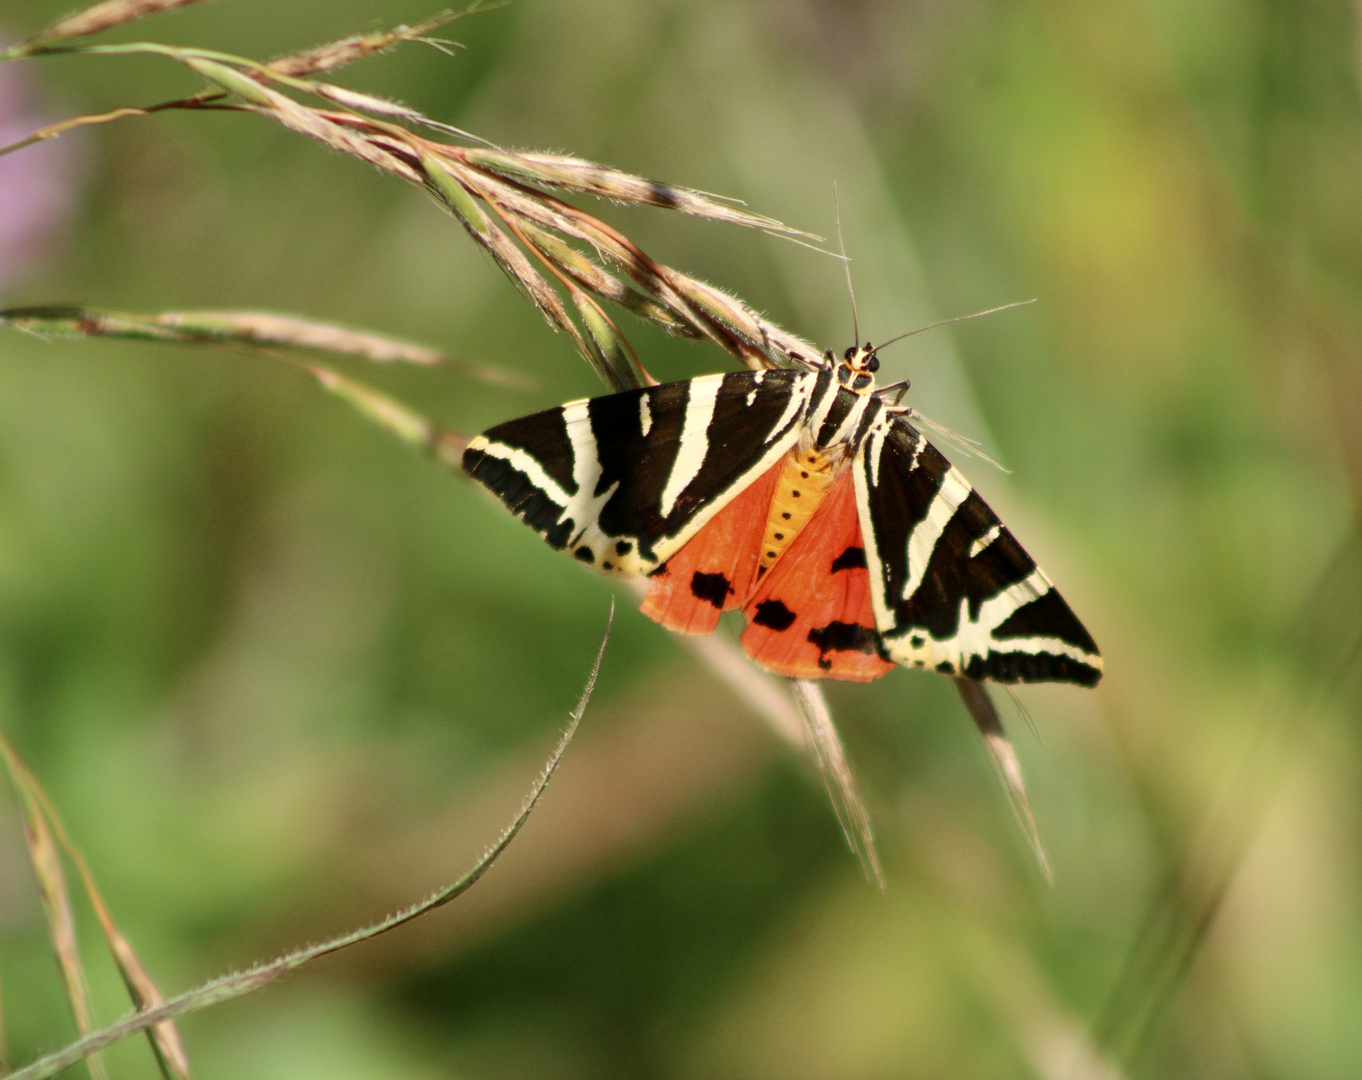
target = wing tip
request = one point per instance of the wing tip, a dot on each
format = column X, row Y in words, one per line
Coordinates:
column 1036, row 667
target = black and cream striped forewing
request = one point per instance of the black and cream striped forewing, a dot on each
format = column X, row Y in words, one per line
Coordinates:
column 623, row 481
column 952, row 589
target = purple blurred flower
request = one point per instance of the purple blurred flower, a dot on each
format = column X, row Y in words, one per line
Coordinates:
column 37, row 184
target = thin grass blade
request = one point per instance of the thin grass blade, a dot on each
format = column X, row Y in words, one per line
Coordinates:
column 411, row 427
column 233, row 986
column 165, row 1038
column 985, row 716
column 838, row 778
column 55, row 896
column 246, row 329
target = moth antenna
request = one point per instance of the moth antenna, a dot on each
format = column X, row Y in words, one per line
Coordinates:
column 946, row 322
column 846, row 264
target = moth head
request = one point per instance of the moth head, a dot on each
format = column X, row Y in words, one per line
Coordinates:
column 856, row 370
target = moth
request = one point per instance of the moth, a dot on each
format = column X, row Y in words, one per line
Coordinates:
column 807, row 500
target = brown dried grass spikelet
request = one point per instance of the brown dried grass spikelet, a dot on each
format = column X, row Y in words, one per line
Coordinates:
column 553, row 251
column 347, row 50
column 100, row 17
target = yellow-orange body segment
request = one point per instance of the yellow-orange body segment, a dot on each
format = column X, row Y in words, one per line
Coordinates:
column 804, row 481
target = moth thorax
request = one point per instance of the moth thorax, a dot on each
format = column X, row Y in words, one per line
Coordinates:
column 804, row 480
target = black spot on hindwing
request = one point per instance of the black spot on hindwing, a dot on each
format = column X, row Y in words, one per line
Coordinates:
column 712, row 588
column 853, row 558
column 845, row 637
column 774, row 615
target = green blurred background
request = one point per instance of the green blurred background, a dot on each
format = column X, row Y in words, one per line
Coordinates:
column 281, row 675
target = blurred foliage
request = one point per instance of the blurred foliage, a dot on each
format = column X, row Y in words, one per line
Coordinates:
column 282, row 676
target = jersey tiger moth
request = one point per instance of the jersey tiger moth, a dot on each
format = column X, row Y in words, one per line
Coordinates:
column 805, row 499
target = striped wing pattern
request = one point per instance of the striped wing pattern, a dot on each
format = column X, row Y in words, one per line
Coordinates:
column 625, row 481
column 952, row 589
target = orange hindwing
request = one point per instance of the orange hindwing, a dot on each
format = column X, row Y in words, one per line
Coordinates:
column 811, row 616
column 715, row 570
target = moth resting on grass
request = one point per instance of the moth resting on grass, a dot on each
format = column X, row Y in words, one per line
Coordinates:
column 805, row 499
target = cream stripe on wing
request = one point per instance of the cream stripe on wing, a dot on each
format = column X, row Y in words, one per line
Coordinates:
column 865, row 468
column 586, row 466
column 690, row 455
column 977, row 638
column 982, row 542
column 922, row 541
column 522, row 461
column 800, row 392
column 780, row 440
column 756, row 385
